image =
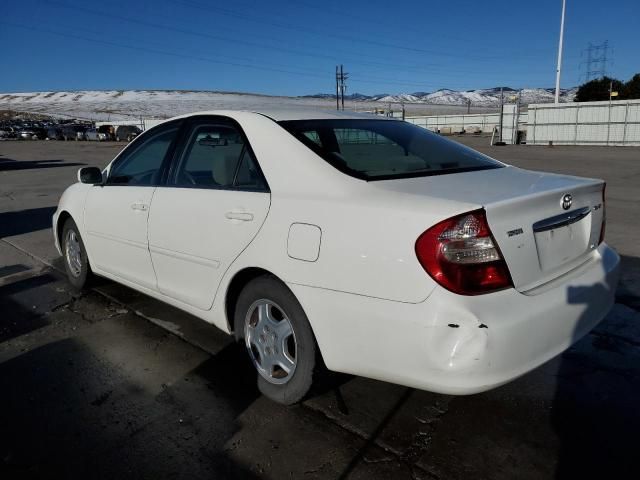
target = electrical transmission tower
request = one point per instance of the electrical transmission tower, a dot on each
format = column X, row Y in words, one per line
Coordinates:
column 341, row 86
column 596, row 63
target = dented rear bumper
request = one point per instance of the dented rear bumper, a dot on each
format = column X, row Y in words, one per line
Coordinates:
column 460, row 344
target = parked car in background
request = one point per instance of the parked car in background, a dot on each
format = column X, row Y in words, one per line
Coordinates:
column 54, row 133
column 73, row 132
column 80, row 132
column 108, row 131
column 40, row 133
column 127, row 132
column 384, row 249
column 12, row 132
column 26, row 134
column 94, row 135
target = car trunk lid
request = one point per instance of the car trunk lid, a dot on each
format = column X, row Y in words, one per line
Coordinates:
column 539, row 237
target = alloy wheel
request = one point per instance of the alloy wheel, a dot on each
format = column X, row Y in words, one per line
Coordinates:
column 271, row 341
column 73, row 253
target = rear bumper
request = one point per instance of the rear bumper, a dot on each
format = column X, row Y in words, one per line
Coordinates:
column 456, row 344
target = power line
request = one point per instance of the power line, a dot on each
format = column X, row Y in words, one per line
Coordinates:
column 159, row 52
column 237, row 61
column 234, row 40
column 250, row 64
column 156, row 51
column 330, row 11
column 341, row 13
column 324, row 34
column 421, row 67
column 409, row 68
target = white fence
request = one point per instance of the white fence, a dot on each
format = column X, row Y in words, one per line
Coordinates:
column 585, row 123
column 142, row 123
column 513, row 120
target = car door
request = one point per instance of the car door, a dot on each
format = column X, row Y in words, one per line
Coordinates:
column 215, row 201
column 116, row 213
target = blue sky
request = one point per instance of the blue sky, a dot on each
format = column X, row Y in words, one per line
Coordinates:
column 291, row 47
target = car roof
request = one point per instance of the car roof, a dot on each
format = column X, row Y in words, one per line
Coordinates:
column 312, row 114
column 284, row 114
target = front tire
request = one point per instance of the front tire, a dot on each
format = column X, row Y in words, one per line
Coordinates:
column 272, row 325
column 76, row 263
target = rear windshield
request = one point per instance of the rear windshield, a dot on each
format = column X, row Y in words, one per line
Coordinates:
column 385, row 149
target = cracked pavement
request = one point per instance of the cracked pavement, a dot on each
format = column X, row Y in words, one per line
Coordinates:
column 113, row 384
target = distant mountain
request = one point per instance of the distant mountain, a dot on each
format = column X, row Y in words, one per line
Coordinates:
column 485, row 97
column 134, row 104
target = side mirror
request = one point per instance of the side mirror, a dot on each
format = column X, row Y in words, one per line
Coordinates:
column 90, row 175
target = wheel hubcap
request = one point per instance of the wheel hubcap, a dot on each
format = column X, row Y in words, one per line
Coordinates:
column 271, row 342
column 73, row 253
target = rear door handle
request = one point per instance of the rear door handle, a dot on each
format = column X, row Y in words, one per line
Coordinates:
column 244, row 216
column 139, row 206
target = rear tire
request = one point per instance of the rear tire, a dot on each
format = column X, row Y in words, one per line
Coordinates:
column 272, row 325
column 76, row 262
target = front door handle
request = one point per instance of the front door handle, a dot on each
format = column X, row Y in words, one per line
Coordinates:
column 140, row 206
column 244, row 216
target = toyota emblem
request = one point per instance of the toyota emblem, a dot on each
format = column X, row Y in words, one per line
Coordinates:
column 567, row 199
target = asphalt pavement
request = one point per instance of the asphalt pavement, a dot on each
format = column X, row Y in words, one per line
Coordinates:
column 112, row 384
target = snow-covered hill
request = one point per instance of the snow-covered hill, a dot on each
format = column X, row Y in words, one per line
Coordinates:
column 128, row 104
column 485, row 97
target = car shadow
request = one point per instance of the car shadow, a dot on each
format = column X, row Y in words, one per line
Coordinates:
column 628, row 291
column 595, row 408
column 25, row 221
column 8, row 164
column 7, row 270
column 16, row 318
column 67, row 412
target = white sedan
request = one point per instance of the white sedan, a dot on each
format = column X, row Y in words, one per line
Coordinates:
column 369, row 244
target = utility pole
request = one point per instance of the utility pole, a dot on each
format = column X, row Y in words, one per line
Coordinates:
column 337, row 89
column 515, row 119
column 341, row 86
column 343, row 77
column 468, row 105
column 609, row 115
column 501, row 113
column 557, row 99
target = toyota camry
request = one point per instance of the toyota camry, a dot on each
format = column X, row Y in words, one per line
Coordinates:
column 367, row 245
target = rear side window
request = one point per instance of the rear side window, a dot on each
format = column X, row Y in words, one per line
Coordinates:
column 217, row 156
column 385, row 149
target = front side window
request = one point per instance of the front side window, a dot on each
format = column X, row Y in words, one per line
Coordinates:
column 217, row 156
column 385, row 149
column 141, row 164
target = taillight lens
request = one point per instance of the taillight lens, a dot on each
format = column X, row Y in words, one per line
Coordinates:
column 604, row 216
column 461, row 255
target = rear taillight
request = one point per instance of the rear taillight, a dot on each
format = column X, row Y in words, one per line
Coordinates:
column 461, row 255
column 603, row 227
